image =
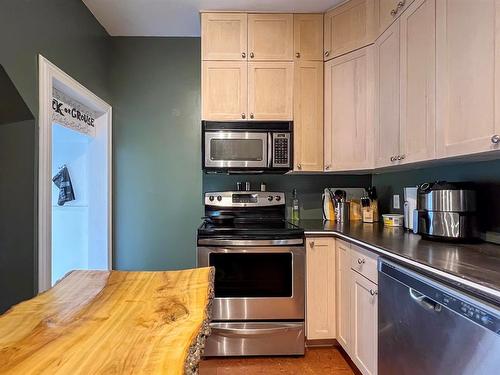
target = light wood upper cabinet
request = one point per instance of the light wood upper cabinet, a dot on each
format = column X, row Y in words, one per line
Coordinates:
column 468, row 76
column 308, row 116
column 224, row 36
column 308, row 36
column 349, row 111
column 387, row 78
column 343, row 291
column 387, row 11
column 348, row 27
column 365, row 324
column 270, row 37
column 270, row 90
column 320, row 309
column 224, row 90
column 418, row 82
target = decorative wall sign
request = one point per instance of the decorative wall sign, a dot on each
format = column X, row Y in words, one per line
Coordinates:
column 72, row 114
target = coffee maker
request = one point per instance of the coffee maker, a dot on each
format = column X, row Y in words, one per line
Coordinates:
column 446, row 211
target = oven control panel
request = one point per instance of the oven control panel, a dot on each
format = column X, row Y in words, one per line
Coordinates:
column 244, row 199
column 281, row 150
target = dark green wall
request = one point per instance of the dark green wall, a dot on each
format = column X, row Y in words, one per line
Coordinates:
column 66, row 33
column 309, row 187
column 157, row 160
column 486, row 174
column 63, row 31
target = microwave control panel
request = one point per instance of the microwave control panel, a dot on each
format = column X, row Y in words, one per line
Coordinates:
column 281, row 150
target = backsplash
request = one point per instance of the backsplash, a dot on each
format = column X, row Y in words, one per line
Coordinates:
column 309, row 187
column 485, row 174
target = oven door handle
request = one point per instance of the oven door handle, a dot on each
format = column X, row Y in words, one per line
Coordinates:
column 231, row 332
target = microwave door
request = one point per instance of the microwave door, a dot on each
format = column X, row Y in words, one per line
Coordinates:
column 236, row 149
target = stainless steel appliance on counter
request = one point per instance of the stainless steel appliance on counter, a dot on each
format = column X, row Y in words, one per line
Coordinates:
column 259, row 261
column 428, row 328
column 446, row 211
column 247, row 147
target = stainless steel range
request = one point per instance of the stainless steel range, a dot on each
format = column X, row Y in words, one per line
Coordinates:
column 259, row 261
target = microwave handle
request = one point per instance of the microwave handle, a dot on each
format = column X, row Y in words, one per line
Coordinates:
column 269, row 150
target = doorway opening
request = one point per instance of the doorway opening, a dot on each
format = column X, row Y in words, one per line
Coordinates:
column 74, row 225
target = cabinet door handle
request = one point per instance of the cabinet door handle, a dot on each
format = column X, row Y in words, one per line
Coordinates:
column 299, row 166
column 297, row 55
column 403, row 156
column 394, row 12
column 311, row 243
column 373, row 292
column 243, row 55
column 243, row 116
column 251, row 115
column 251, row 55
column 401, row 4
column 495, row 139
column 327, row 167
column 392, row 158
column 327, row 53
column 398, row 157
column 361, row 261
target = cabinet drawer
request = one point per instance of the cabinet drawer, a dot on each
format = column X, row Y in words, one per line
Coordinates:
column 364, row 262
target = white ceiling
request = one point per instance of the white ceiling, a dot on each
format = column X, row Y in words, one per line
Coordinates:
column 181, row 17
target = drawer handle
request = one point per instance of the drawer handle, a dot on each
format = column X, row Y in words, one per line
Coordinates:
column 373, row 292
column 361, row 260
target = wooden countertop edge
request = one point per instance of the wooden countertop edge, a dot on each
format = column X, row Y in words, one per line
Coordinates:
column 197, row 346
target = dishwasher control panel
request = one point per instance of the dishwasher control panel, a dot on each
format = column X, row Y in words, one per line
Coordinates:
column 470, row 311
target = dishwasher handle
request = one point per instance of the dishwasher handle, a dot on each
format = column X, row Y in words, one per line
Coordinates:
column 427, row 303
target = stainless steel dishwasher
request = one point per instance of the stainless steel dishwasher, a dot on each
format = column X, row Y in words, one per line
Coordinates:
column 426, row 327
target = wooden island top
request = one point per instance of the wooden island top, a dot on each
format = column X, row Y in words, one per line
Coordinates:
column 111, row 322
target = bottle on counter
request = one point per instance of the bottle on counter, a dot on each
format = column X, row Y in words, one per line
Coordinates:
column 295, row 206
column 263, row 186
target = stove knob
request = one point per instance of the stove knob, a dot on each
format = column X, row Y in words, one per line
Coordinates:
column 278, row 198
column 211, row 198
column 219, row 198
column 270, row 198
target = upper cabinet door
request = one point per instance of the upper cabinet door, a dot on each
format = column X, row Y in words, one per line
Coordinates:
column 348, row 27
column 270, row 90
column 308, row 36
column 224, row 36
column 387, row 11
column 468, row 76
column 270, row 37
column 418, row 82
column 387, row 134
column 349, row 114
column 224, row 90
column 308, row 116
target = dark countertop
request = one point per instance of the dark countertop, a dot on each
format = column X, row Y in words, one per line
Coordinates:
column 473, row 267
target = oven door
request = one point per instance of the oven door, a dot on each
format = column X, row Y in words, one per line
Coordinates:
column 257, row 283
column 227, row 149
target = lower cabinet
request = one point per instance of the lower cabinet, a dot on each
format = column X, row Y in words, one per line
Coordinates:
column 364, row 323
column 320, row 280
column 357, row 296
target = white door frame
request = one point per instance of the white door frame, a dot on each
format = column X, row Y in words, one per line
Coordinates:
column 50, row 75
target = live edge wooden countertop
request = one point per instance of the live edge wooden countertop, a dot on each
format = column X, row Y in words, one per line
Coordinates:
column 110, row 322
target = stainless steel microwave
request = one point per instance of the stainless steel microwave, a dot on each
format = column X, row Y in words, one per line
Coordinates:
column 247, row 147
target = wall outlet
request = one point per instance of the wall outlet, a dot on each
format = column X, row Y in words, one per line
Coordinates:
column 395, row 202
